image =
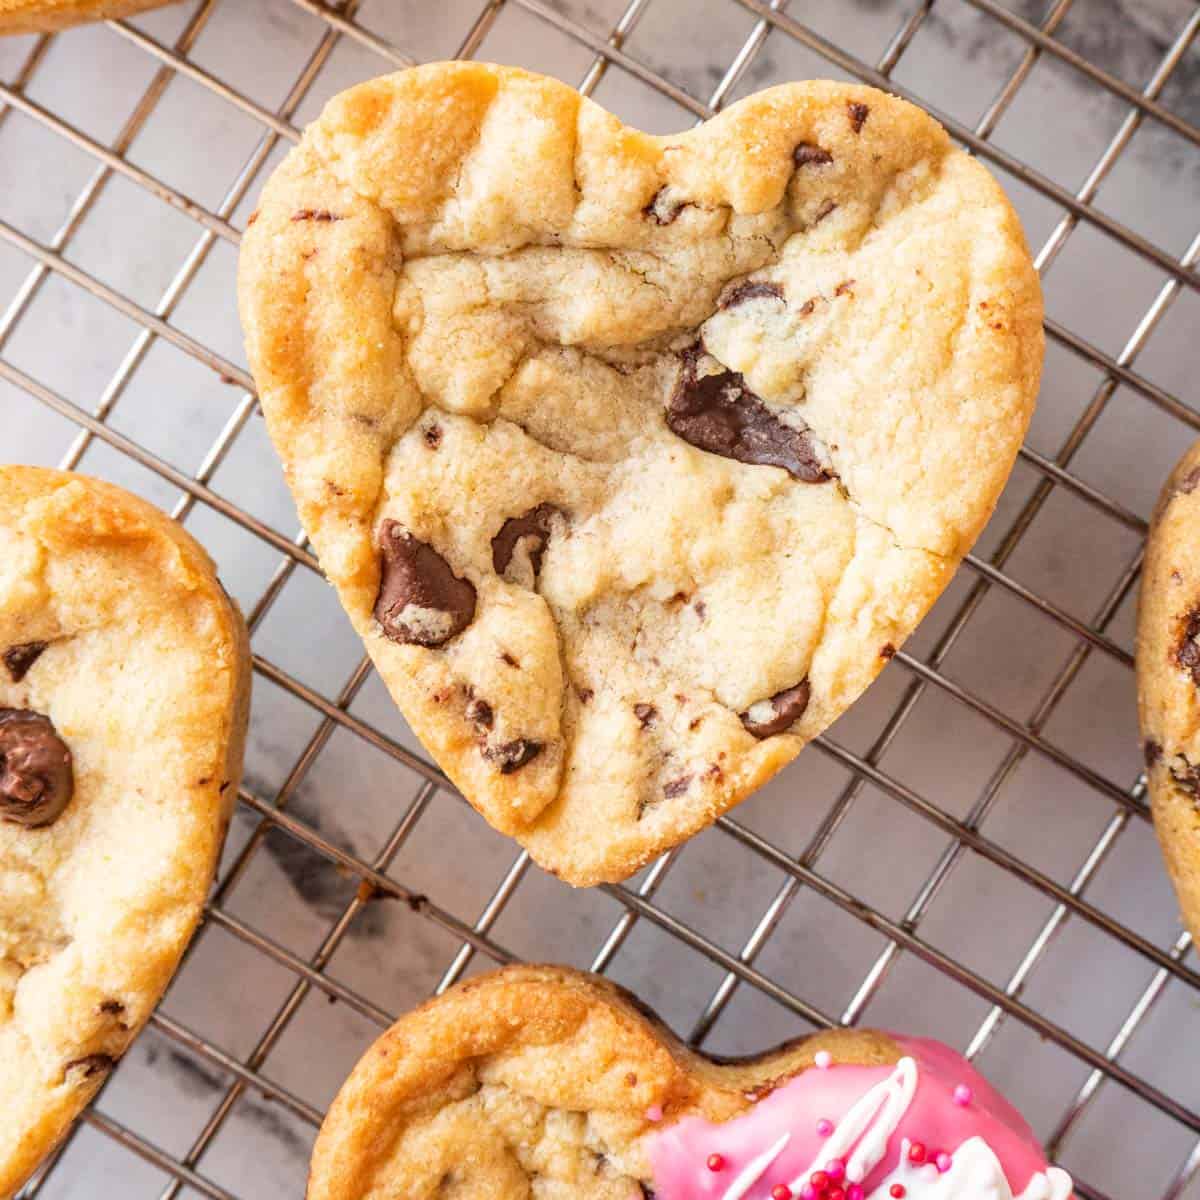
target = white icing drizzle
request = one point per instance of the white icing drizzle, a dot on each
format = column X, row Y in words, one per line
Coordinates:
column 753, row 1170
column 975, row 1174
column 870, row 1123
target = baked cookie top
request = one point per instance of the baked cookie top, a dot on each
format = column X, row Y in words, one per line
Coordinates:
column 633, row 458
column 541, row 1081
column 44, row 16
column 123, row 699
column 1168, row 673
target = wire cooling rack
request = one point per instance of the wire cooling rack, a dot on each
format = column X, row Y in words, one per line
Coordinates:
column 966, row 854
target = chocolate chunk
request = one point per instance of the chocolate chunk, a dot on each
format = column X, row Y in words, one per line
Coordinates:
column 1185, row 775
column 808, row 154
column 887, row 651
column 676, row 787
column 511, row 756
column 751, row 291
column 532, row 529
column 91, row 1065
column 420, row 599
column 661, row 211
column 718, row 413
column 1152, row 751
column 858, row 115
column 315, row 214
column 1187, row 654
column 18, row 659
column 647, row 714
column 37, row 779
column 433, row 436
column 112, row 1008
column 1188, row 483
column 479, row 712
column 769, row 717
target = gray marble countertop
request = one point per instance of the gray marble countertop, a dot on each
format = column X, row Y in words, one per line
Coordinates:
column 81, row 346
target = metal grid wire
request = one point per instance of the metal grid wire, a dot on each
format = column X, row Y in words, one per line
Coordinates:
column 1102, row 1071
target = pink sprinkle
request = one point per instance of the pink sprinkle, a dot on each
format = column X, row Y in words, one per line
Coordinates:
column 963, row 1095
column 944, row 1162
column 823, row 1060
column 654, row 1112
column 824, row 1127
column 836, row 1170
column 854, row 1192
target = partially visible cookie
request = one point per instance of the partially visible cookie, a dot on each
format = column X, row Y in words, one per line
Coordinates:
column 634, row 459
column 1168, row 672
column 44, row 16
column 547, row 1082
column 124, row 690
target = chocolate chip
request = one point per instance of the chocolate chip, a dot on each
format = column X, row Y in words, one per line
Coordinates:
column 676, row 787
column 37, row 779
column 433, row 436
column 808, row 154
column 718, row 413
column 421, row 600
column 1187, row 654
column 531, row 531
column 858, row 115
column 1188, row 483
column 662, row 211
column 647, row 714
column 508, row 660
column 315, row 214
column 769, row 717
column 111, row 1008
column 1186, row 776
column 1152, row 751
column 479, row 712
column 751, row 290
column 887, row 651
column 585, row 695
column 91, row 1065
column 511, row 756
column 18, row 659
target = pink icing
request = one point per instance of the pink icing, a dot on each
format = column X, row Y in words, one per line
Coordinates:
column 934, row 1118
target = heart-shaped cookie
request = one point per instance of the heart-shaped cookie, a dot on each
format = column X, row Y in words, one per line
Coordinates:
column 43, row 16
column 632, row 458
column 1168, row 669
column 541, row 1081
column 124, row 684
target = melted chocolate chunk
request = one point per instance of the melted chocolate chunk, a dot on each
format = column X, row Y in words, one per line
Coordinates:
column 111, row 1008
column 676, row 787
column 662, row 212
column 91, row 1065
column 1185, row 775
column 858, row 115
column 1187, row 654
column 646, row 714
column 37, row 779
column 751, row 291
column 720, row 414
column 780, row 712
column 421, row 600
column 511, row 756
column 808, row 154
column 479, row 712
column 18, row 659
column 1152, row 752
column 534, row 528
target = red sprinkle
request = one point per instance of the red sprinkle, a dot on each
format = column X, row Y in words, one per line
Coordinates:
column 898, row 1190
column 819, row 1181
column 781, row 1191
column 917, row 1152
column 716, row 1162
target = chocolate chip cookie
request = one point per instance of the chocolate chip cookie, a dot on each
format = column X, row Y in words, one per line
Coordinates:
column 1168, row 672
column 45, row 16
column 632, row 458
column 541, row 1081
column 124, row 687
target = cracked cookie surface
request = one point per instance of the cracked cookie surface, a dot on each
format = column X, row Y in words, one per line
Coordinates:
column 633, row 458
column 44, row 16
column 1168, row 672
column 124, row 685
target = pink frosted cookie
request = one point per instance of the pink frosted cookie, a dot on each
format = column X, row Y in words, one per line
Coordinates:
column 547, row 1074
